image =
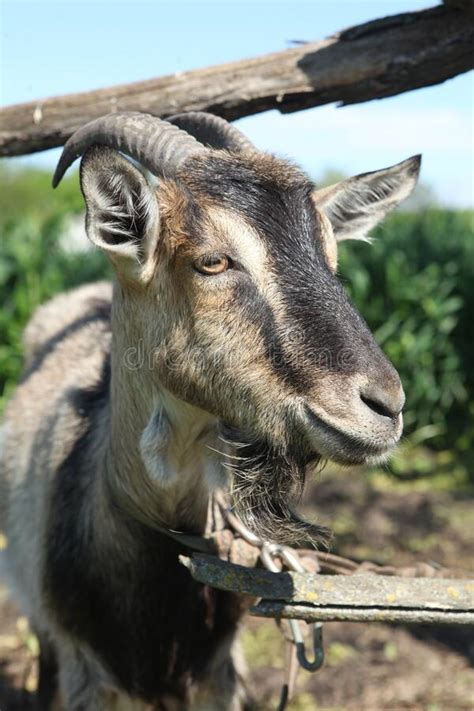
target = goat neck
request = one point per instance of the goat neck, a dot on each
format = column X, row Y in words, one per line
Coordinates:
column 160, row 465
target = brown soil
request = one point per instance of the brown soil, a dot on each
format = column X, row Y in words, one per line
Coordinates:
column 369, row 667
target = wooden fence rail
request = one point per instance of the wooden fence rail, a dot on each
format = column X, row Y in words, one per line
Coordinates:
column 362, row 597
column 371, row 61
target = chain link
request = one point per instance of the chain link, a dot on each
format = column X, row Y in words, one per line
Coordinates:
column 288, row 558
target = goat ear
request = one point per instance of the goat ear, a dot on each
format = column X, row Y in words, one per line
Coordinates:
column 122, row 210
column 356, row 205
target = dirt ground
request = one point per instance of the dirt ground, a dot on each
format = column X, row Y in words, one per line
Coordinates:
column 368, row 667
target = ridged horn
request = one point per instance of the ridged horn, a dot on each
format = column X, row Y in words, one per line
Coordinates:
column 156, row 144
column 212, row 131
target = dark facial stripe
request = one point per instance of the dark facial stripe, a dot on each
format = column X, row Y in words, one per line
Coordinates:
column 328, row 330
column 256, row 310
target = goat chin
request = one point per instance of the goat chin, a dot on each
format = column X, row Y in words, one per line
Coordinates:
column 266, row 487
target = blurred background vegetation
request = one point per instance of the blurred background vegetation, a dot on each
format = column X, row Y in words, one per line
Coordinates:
column 414, row 285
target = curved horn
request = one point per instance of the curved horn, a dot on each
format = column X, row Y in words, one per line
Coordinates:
column 212, row 131
column 157, row 145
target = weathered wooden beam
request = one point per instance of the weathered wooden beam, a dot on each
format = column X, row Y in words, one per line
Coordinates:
column 460, row 4
column 370, row 61
column 310, row 613
column 357, row 597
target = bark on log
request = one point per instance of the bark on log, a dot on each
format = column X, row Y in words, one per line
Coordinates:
column 462, row 4
column 361, row 597
column 360, row 590
column 370, row 61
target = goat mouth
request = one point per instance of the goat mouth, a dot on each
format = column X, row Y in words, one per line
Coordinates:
column 345, row 448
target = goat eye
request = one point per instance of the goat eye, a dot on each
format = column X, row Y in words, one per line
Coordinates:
column 213, row 264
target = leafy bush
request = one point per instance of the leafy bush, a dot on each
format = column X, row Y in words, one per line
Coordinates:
column 33, row 266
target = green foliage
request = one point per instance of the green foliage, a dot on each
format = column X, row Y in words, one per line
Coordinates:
column 33, row 266
column 415, row 287
column 29, row 192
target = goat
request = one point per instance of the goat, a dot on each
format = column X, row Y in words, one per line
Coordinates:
column 226, row 329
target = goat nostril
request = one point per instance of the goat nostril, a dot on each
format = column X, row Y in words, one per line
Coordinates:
column 377, row 407
column 382, row 402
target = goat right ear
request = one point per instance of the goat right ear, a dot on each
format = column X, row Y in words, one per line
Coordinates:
column 354, row 206
column 122, row 210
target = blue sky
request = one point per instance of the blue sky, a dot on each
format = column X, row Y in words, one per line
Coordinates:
column 55, row 48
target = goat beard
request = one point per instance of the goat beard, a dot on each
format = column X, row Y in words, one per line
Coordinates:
column 267, row 485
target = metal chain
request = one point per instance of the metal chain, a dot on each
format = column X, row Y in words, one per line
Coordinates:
column 335, row 564
column 288, row 558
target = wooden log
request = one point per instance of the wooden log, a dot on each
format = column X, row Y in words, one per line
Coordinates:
column 370, row 61
column 361, row 597
column 460, row 4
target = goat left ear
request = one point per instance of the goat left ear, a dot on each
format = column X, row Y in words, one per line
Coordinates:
column 354, row 206
column 122, row 209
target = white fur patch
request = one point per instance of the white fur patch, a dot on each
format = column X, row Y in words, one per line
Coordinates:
column 153, row 446
column 174, row 458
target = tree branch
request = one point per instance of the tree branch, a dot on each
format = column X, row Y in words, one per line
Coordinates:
column 371, row 61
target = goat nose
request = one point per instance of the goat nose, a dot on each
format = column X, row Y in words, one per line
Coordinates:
column 385, row 401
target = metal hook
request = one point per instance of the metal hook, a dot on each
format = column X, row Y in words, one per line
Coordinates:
column 268, row 552
column 318, row 648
